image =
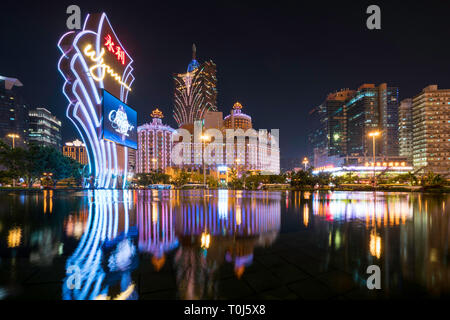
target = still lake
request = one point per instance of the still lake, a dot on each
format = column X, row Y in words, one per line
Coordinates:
column 220, row 244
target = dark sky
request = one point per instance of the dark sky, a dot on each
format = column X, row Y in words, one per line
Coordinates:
column 278, row 58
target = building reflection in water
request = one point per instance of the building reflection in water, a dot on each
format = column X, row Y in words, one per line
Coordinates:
column 401, row 232
column 204, row 230
column 207, row 235
column 156, row 227
column 101, row 265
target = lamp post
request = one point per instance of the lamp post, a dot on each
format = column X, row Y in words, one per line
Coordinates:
column 374, row 134
column 305, row 162
column 154, row 160
column 204, row 139
column 13, row 136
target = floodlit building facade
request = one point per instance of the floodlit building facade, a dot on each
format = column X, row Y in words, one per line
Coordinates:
column 154, row 145
column 237, row 119
column 431, row 130
column 77, row 151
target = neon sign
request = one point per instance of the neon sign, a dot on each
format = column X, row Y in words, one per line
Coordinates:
column 104, row 68
column 119, row 121
column 93, row 60
column 117, row 50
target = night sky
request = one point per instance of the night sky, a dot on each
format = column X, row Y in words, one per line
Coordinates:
column 279, row 59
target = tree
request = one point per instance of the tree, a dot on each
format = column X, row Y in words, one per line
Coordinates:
column 302, row 178
column 145, row 179
column 213, row 183
column 322, row 179
column 181, row 179
column 196, row 177
column 33, row 162
column 432, row 180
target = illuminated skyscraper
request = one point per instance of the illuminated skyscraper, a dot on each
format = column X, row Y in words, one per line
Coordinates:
column 373, row 108
column 330, row 136
column 431, row 130
column 154, row 145
column 13, row 112
column 195, row 92
column 405, row 128
column 45, row 128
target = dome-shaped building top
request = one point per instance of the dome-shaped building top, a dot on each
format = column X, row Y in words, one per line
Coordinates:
column 193, row 65
column 237, row 119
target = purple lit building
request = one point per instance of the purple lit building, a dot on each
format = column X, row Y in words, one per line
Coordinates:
column 154, row 145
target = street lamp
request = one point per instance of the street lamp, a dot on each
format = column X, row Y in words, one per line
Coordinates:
column 13, row 136
column 204, row 139
column 305, row 162
column 154, row 160
column 373, row 135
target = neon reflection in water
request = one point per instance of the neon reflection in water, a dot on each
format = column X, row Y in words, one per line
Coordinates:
column 204, row 230
column 406, row 234
column 101, row 266
column 365, row 206
column 219, row 228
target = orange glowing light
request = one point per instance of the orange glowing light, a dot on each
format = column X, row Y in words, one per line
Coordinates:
column 14, row 237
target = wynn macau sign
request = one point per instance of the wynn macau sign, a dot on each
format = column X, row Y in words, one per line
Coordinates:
column 98, row 76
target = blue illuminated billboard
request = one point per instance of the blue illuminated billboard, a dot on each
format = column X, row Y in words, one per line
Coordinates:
column 119, row 121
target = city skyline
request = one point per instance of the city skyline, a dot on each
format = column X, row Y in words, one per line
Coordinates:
column 206, row 151
column 282, row 66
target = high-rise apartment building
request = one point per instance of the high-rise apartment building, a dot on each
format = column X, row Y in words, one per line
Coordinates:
column 329, row 138
column 335, row 121
column 373, row 109
column 13, row 113
column 195, row 92
column 405, row 135
column 431, row 130
column 76, row 150
column 154, row 145
column 44, row 128
column 389, row 104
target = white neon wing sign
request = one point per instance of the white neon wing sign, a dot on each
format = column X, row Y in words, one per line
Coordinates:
column 88, row 67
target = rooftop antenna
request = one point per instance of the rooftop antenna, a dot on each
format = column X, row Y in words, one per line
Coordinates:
column 194, row 51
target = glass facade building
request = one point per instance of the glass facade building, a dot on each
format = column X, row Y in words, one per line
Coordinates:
column 45, row 128
column 13, row 113
column 405, row 135
column 329, row 138
column 373, row 108
column 344, row 120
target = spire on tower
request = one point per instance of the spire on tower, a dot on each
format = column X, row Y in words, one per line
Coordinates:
column 194, row 51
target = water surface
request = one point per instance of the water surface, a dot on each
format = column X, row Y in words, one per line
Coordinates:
column 222, row 244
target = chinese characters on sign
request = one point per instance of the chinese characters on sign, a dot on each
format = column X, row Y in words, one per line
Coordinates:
column 115, row 49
